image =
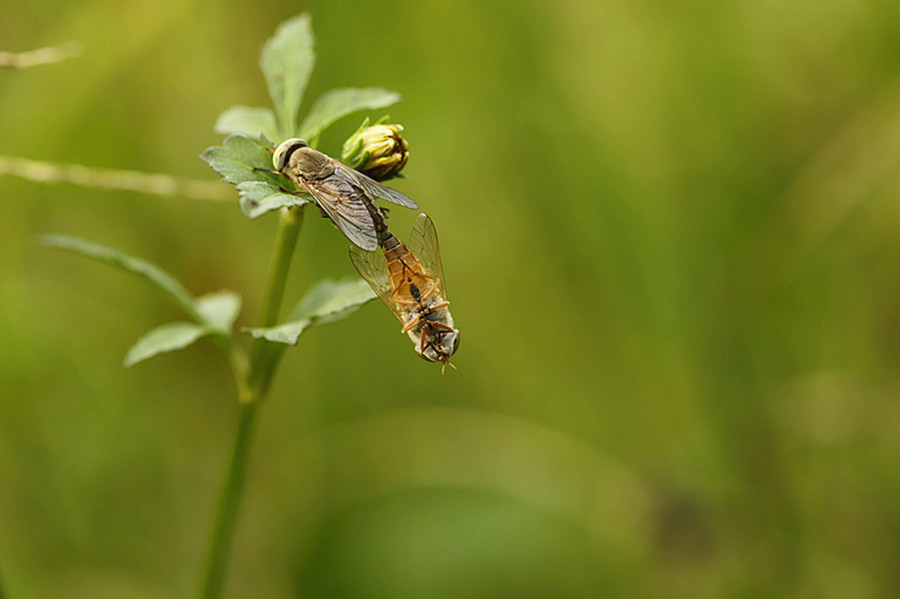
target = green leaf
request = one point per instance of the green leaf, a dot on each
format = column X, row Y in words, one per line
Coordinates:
column 338, row 103
column 287, row 61
column 165, row 338
column 259, row 197
column 152, row 273
column 288, row 333
column 327, row 302
column 247, row 164
column 236, row 159
column 332, row 297
column 248, row 120
column 220, row 309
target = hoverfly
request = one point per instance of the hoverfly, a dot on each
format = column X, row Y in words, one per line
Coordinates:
column 411, row 284
column 345, row 195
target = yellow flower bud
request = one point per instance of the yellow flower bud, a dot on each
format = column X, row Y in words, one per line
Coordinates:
column 377, row 150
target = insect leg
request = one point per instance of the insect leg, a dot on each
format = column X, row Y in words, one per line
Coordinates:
column 435, row 282
column 410, row 325
column 268, row 170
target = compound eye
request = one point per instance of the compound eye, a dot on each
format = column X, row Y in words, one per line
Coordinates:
column 284, row 150
column 455, row 343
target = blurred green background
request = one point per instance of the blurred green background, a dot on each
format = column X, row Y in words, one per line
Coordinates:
column 670, row 234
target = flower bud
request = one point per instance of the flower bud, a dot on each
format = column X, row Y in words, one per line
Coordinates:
column 377, row 150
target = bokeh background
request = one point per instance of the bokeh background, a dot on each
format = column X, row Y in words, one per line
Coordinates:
column 671, row 235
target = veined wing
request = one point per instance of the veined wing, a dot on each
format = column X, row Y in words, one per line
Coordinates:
column 376, row 189
column 423, row 241
column 372, row 267
column 346, row 207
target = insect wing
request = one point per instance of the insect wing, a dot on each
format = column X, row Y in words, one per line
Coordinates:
column 372, row 267
column 345, row 206
column 376, row 189
column 423, row 241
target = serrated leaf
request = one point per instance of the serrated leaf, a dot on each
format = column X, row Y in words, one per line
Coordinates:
column 165, row 338
column 327, row 302
column 338, row 103
column 150, row 272
column 247, row 164
column 236, row 158
column 247, row 120
column 259, row 197
column 287, row 61
column 220, row 309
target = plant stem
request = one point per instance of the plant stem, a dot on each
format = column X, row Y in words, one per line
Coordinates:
column 33, row 58
column 229, row 501
column 105, row 178
column 262, row 363
column 264, row 355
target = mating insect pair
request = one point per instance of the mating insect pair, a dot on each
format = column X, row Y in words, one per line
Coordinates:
column 409, row 282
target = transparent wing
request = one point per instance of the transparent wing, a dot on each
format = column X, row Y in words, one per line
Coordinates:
column 373, row 268
column 376, row 189
column 423, row 241
column 345, row 205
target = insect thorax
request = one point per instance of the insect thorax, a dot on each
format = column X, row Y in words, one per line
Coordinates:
column 310, row 164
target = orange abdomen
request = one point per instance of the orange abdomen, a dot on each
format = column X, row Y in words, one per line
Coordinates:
column 410, row 281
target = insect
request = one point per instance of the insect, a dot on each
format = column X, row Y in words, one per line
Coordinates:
column 411, row 284
column 345, row 195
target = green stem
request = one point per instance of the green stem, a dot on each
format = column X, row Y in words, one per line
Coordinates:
column 229, row 502
column 263, row 354
column 251, row 390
